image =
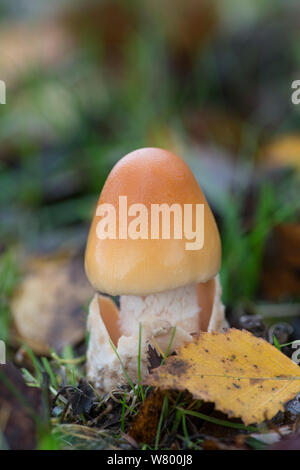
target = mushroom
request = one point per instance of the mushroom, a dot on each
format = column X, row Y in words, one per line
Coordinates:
column 166, row 275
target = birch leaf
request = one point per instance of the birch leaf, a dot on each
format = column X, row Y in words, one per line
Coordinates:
column 243, row 375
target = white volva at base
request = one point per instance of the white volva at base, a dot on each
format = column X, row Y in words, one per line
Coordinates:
column 158, row 314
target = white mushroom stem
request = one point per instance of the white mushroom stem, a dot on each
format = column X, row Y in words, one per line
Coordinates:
column 179, row 307
column 104, row 368
column 189, row 309
column 194, row 307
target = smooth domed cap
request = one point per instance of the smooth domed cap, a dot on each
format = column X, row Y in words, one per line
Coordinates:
column 144, row 266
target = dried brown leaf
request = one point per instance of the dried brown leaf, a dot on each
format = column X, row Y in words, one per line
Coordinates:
column 18, row 407
column 48, row 308
column 144, row 427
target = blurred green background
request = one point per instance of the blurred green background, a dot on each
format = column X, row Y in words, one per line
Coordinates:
column 88, row 82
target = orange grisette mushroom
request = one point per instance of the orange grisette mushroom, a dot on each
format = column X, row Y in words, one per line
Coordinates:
column 155, row 243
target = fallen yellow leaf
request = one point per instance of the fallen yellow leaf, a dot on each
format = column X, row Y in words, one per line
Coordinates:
column 243, row 375
column 282, row 151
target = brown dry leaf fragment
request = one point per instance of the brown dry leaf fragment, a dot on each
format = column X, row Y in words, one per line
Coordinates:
column 243, row 375
column 154, row 358
column 144, row 427
column 19, row 405
column 212, row 125
column 285, row 266
column 48, row 307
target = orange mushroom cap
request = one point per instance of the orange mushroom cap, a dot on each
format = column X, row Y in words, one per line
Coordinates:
column 144, row 266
